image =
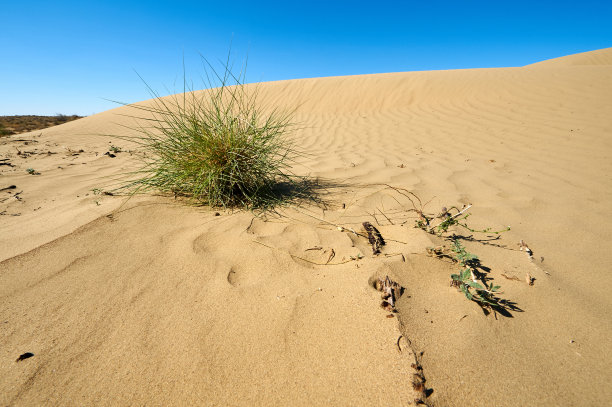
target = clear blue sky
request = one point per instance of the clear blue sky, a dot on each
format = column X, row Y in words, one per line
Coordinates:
column 68, row 56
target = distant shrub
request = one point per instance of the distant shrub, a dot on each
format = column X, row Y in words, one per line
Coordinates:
column 4, row 131
column 26, row 123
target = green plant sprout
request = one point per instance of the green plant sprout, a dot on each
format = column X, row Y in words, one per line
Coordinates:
column 466, row 279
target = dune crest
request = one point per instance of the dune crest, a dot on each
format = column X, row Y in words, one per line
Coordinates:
column 597, row 57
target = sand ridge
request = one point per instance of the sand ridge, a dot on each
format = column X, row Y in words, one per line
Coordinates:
column 167, row 304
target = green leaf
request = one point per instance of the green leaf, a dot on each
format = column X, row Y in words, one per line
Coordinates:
column 475, row 285
column 485, row 300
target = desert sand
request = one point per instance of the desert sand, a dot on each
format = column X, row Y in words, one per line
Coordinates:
column 153, row 302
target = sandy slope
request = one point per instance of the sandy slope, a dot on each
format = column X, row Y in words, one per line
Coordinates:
column 165, row 304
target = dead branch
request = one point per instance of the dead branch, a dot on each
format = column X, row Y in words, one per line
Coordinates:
column 374, row 237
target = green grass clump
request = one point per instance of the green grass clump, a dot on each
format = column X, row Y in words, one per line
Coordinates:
column 218, row 146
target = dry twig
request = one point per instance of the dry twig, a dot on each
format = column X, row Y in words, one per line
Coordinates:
column 374, row 237
column 352, row 258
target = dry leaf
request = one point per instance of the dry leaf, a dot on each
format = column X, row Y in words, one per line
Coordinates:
column 386, row 306
column 420, row 387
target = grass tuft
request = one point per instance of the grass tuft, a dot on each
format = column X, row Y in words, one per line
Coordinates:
column 218, row 147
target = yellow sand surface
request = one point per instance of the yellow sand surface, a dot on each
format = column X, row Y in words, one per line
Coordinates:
column 154, row 302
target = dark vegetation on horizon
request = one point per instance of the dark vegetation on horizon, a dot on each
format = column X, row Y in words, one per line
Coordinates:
column 23, row 124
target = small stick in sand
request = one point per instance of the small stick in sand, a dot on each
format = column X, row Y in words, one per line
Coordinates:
column 314, row 248
column 386, row 217
column 529, row 279
column 352, row 258
column 396, row 254
column 523, row 247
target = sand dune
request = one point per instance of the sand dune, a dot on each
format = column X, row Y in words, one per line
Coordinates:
column 598, row 57
column 162, row 303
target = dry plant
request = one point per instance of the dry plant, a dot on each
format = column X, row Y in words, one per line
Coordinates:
column 447, row 219
column 390, row 292
column 469, row 280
